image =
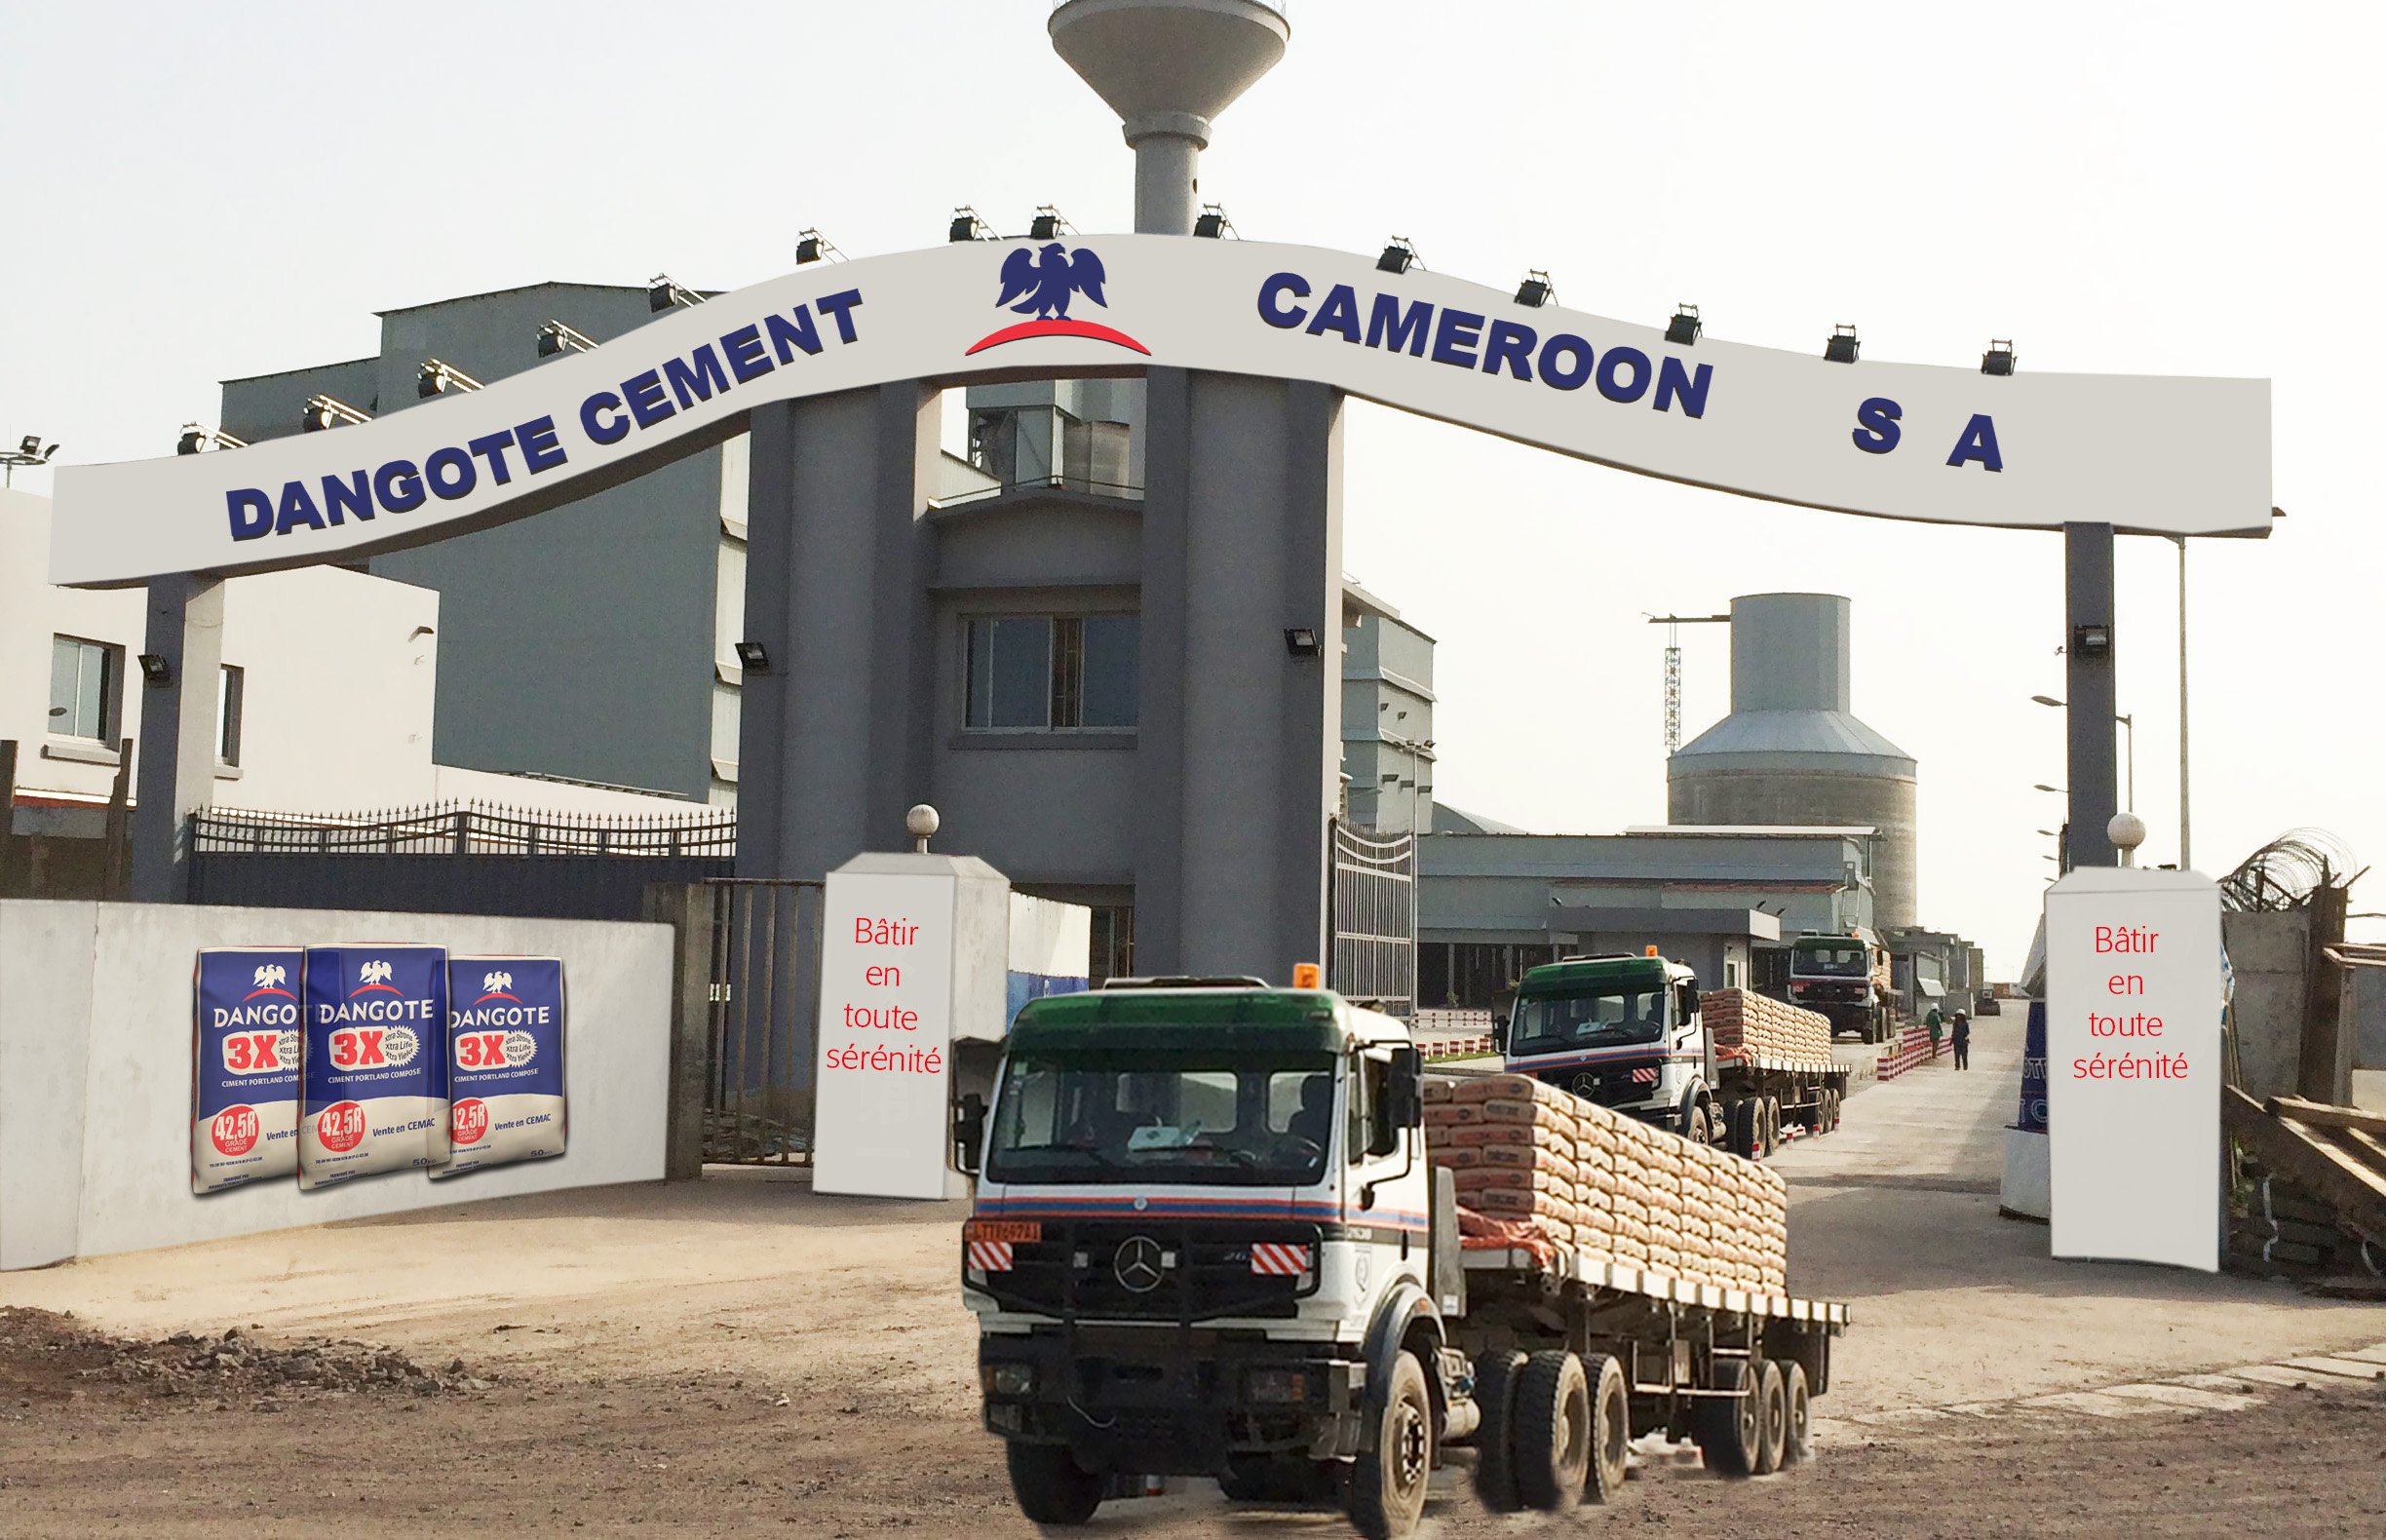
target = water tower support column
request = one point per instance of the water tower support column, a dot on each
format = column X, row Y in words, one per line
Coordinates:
column 1168, row 148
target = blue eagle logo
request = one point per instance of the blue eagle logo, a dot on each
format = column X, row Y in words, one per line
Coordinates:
column 1040, row 282
column 1049, row 284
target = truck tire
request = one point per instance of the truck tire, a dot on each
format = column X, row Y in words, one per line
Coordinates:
column 1553, row 1432
column 1774, row 1416
column 1834, row 1094
column 1051, row 1486
column 1741, row 1123
column 1610, row 1428
column 1797, row 1416
column 1727, row 1425
column 1495, row 1386
column 1772, row 1126
column 1388, row 1479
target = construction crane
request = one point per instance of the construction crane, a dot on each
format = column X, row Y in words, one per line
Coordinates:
column 1673, row 668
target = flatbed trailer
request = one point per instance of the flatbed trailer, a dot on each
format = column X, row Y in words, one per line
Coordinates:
column 1733, row 1370
column 1757, row 1094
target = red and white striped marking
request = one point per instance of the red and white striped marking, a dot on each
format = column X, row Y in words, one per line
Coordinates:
column 1646, row 1075
column 1270, row 1259
column 990, row 1256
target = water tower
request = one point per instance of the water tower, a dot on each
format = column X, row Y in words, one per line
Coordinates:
column 1166, row 67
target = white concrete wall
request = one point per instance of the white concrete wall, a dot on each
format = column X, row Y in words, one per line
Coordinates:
column 340, row 671
column 95, row 1073
column 453, row 783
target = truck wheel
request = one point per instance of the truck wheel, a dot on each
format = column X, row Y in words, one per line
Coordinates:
column 1797, row 1415
column 1051, row 1486
column 1387, row 1481
column 1772, row 1126
column 1698, row 1127
column 1741, row 1119
column 1552, row 1431
column 1727, row 1425
column 1610, row 1428
column 1834, row 1110
column 1495, row 1388
column 1774, row 1416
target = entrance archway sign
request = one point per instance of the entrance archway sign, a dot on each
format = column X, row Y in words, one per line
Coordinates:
column 2162, row 455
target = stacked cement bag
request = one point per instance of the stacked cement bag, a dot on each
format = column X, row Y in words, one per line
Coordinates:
column 1766, row 1031
column 1607, row 1186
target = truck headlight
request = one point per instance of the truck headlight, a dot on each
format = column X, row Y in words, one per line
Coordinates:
column 1007, row 1379
column 1280, row 1387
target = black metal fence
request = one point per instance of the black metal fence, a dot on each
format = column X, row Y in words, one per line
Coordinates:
column 455, row 858
column 763, row 1021
column 1373, row 918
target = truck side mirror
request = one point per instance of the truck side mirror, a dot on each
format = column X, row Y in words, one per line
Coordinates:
column 1405, row 1091
column 968, row 1132
column 1690, row 1000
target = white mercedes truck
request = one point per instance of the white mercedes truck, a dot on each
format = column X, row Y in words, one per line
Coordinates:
column 1209, row 1240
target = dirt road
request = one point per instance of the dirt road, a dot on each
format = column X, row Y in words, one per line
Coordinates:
column 740, row 1356
column 218, row 1438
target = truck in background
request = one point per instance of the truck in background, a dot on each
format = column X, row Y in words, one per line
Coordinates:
column 1626, row 1032
column 1209, row 1239
column 1845, row 977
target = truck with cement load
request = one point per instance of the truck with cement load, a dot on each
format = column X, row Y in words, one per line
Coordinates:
column 1634, row 1035
column 1222, row 1229
column 1845, row 977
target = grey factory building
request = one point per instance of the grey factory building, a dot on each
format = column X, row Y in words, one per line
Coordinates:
column 1725, row 900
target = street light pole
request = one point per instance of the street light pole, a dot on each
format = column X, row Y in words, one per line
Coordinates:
column 2127, row 723
column 2130, row 732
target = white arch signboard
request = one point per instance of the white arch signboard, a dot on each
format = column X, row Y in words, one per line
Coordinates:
column 1901, row 441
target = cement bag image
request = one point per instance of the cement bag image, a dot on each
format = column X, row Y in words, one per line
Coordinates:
column 376, row 1080
column 245, row 1051
column 505, row 1062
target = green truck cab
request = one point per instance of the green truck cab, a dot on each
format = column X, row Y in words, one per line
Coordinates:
column 1625, row 1031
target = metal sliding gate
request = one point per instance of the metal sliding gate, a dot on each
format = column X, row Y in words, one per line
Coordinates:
column 1373, row 918
column 764, row 1014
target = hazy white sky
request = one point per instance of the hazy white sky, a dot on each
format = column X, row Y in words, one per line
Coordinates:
column 204, row 192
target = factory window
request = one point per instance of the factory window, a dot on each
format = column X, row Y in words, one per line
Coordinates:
column 1040, row 673
column 85, row 688
column 231, row 691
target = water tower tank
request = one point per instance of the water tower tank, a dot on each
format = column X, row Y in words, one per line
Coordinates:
column 1793, row 752
column 1166, row 67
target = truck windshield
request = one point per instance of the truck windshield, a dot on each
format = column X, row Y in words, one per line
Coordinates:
column 1846, row 961
column 1207, row 1119
column 1546, row 1023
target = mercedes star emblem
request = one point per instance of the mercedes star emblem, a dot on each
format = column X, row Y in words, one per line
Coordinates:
column 1138, row 1264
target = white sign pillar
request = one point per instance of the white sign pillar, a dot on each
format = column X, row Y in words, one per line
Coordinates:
column 914, row 952
column 2134, row 1002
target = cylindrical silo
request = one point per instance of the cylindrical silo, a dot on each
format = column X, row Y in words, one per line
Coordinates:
column 1791, row 752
